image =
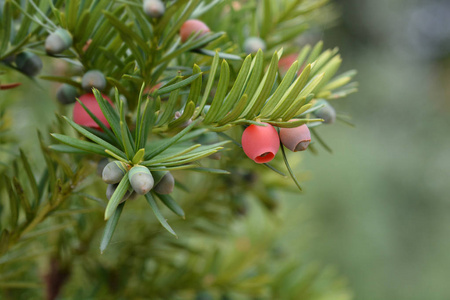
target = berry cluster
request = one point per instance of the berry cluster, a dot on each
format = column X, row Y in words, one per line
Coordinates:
column 261, row 143
column 140, row 178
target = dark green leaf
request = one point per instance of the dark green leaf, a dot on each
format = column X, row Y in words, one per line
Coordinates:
column 171, row 204
column 158, row 214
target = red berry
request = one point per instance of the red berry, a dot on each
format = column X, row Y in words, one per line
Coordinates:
column 193, row 26
column 295, row 139
column 81, row 117
column 260, row 143
column 286, row 62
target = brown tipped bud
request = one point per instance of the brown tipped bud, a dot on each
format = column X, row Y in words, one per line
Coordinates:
column 295, row 139
column 114, row 172
column 141, row 180
column 165, row 185
column 93, row 79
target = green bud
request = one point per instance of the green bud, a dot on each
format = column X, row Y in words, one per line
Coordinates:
column 93, row 79
column 114, row 172
column 28, row 63
column 141, row 179
column 66, row 94
column 112, row 188
column 165, row 185
column 58, row 41
column 327, row 113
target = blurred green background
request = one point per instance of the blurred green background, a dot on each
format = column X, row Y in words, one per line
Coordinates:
column 380, row 204
column 378, row 207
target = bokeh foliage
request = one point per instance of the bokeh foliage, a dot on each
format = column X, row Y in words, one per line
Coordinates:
column 53, row 202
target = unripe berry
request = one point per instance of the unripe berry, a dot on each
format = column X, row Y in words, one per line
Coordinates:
column 29, row 63
column 253, row 44
column 327, row 113
column 66, row 94
column 141, row 179
column 295, row 139
column 165, row 185
column 114, row 172
column 154, row 8
column 81, row 117
column 58, row 41
column 191, row 27
column 112, row 188
column 93, row 79
column 260, row 143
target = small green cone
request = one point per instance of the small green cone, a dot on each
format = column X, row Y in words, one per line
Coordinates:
column 165, row 185
column 141, row 179
column 114, row 172
column 327, row 113
column 58, row 41
column 66, row 94
column 29, row 63
column 93, row 79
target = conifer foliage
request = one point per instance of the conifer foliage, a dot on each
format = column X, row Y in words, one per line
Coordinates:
column 178, row 106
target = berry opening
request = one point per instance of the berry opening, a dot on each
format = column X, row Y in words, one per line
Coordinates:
column 265, row 157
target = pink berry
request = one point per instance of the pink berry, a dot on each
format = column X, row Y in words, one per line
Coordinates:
column 191, row 27
column 260, row 143
column 81, row 117
column 295, row 139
